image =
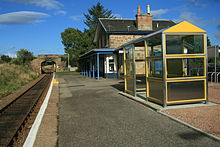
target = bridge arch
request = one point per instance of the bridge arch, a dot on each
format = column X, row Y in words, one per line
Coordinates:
column 48, row 66
column 42, row 60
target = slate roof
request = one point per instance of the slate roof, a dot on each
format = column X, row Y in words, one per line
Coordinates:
column 129, row 25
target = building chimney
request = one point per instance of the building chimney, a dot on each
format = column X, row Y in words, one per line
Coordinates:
column 148, row 9
column 144, row 21
column 139, row 10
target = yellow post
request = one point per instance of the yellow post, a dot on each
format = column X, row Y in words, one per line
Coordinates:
column 146, row 68
column 125, row 79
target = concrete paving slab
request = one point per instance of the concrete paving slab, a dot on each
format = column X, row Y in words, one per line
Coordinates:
column 48, row 133
column 96, row 115
column 158, row 107
column 45, row 141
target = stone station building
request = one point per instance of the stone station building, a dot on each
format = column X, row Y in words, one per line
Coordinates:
column 112, row 33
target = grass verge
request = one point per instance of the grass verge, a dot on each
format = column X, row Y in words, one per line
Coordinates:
column 68, row 73
column 12, row 77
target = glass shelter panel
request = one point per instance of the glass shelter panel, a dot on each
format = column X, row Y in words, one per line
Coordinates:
column 185, row 67
column 129, row 68
column 130, row 84
column 186, row 90
column 140, row 67
column 155, row 68
column 155, row 45
column 139, row 53
column 140, row 75
column 141, row 82
column 129, row 52
column 156, row 90
column 184, row 44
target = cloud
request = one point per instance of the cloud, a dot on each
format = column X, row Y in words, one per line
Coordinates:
column 190, row 17
column 158, row 13
column 76, row 17
column 12, row 55
column 200, row 3
column 217, row 35
column 117, row 15
column 196, row 3
column 48, row 4
column 10, row 51
column 213, row 21
column 60, row 12
column 21, row 17
column 194, row 19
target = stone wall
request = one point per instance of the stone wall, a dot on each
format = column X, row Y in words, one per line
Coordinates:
column 36, row 63
column 116, row 41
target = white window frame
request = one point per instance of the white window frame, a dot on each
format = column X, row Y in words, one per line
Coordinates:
column 110, row 57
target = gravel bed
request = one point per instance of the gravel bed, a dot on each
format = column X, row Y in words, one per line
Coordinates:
column 204, row 118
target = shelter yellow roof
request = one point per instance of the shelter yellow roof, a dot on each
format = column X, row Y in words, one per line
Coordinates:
column 184, row 27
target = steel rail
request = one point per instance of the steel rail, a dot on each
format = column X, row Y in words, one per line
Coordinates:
column 16, row 113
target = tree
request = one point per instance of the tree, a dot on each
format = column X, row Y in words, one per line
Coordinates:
column 94, row 13
column 5, row 58
column 76, row 43
column 208, row 42
column 24, row 56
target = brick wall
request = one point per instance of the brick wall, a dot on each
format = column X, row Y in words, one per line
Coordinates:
column 144, row 22
column 117, row 40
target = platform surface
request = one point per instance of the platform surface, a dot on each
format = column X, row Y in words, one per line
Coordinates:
column 92, row 113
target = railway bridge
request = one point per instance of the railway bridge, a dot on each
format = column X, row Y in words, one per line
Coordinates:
column 48, row 62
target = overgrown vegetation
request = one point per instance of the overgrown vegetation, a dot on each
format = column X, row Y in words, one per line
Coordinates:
column 14, row 76
column 78, row 42
column 16, row 72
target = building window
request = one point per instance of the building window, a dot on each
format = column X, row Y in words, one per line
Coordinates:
column 111, row 65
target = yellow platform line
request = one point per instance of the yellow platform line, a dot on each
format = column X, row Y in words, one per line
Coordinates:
column 55, row 81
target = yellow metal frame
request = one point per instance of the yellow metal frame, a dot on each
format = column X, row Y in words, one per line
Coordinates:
column 155, row 99
column 125, row 72
column 182, row 33
column 130, row 91
column 182, row 79
column 183, row 28
column 141, row 89
column 146, row 68
column 187, row 55
column 196, row 56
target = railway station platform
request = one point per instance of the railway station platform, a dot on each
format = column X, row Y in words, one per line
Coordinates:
column 92, row 113
column 47, row 135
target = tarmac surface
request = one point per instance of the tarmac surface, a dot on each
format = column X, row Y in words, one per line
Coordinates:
column 92, row 113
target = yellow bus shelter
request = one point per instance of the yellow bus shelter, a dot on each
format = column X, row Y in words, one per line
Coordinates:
column 168, row 66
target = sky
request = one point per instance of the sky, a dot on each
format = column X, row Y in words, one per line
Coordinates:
column 36, row 25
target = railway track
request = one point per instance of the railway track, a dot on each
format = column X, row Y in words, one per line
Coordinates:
column 16, row 115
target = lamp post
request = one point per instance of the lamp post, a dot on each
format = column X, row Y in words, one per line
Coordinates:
column 215, row 64
column 68, row 61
